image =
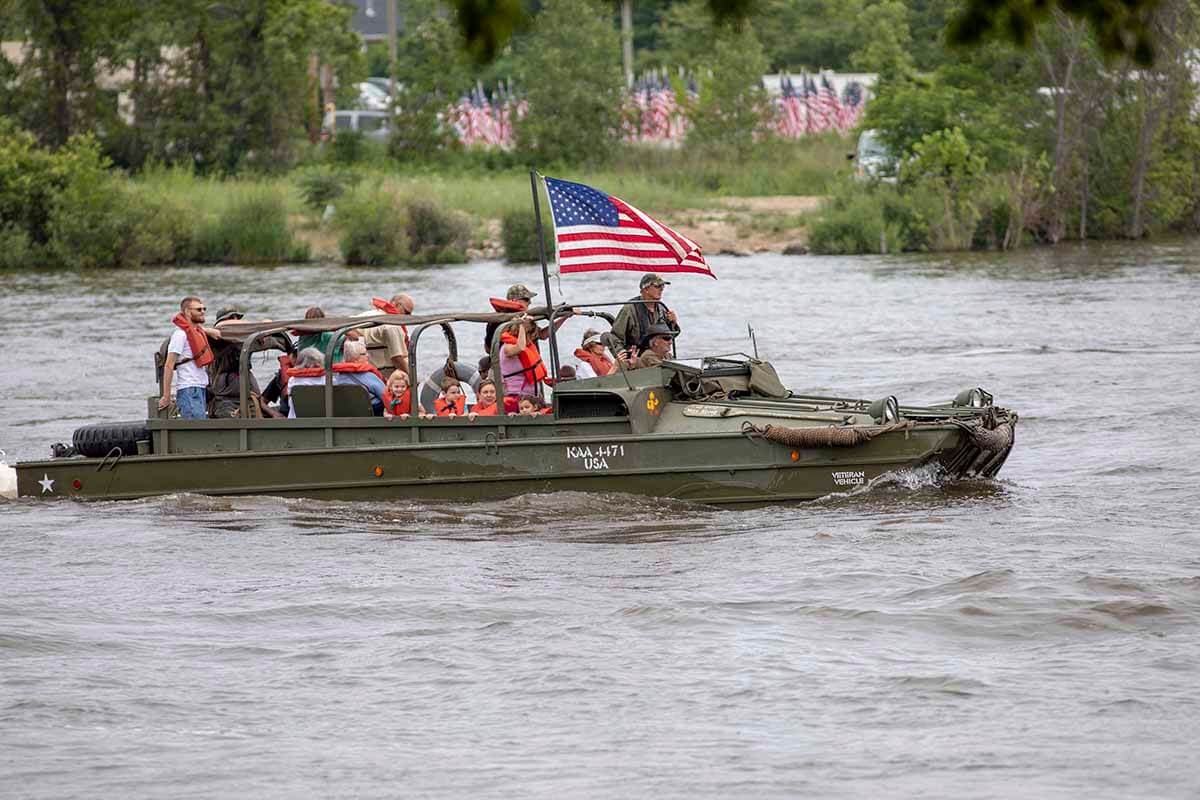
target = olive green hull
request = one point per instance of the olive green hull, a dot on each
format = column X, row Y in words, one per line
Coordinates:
column 539, row 456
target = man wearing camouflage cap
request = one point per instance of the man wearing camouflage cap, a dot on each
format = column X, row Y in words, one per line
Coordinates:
column 641, row 312
column 517, row 298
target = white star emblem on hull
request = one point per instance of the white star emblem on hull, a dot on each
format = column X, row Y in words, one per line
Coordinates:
column 47, row 483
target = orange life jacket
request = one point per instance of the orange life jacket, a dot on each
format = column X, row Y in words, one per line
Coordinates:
column 388, row 308
column 602, row 364
column 356, row 366
column 445, row 409
column 306, row 372
column 485, row 411
column 397, row 405
column 202, row 354
column 531, row 361
column 506, row 305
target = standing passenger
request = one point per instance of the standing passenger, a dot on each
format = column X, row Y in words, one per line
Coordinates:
column 189, row 352
column 520, row 363
column 636, row 317
column 387, row 345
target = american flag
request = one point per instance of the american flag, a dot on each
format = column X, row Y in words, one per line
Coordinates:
column 594, row 231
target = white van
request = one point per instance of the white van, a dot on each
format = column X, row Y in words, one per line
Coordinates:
column 373, row 125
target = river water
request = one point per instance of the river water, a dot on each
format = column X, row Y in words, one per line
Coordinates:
column 1037, row 635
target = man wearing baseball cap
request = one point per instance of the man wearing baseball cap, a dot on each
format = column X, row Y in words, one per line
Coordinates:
column 517, row 298
column 643, row 311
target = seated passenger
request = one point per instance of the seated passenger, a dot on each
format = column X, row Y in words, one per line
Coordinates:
column 486, row 407
column 656, row 347
column 593, row 362
column 308, row 371
column 397, row 397
column 530, row 405
column 451, row 402
column 566, row 373
column 356, row 369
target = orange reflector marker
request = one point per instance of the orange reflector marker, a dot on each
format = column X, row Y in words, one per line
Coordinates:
column 75, row 483
column 379, row 472
column 795, row 455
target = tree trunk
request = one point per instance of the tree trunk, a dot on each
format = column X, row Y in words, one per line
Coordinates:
column 627, row 41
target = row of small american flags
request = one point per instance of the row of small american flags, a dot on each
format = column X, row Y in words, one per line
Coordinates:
column 654, row 114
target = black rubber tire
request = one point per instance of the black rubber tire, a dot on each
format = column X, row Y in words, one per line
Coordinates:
column 98, row 440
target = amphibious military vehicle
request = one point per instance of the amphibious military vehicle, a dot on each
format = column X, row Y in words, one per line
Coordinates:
column 714, row 430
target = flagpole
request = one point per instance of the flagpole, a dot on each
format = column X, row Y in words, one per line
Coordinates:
column 537, row 216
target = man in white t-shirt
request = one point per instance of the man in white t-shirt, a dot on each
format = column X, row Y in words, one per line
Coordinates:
column 191, row 387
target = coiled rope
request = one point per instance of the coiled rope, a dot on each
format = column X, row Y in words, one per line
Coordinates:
column 993, row 441
column 824, row 436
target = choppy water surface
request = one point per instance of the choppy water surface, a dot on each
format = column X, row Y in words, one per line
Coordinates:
column 1035, row 636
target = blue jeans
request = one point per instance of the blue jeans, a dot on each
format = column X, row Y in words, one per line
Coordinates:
column 192, row 402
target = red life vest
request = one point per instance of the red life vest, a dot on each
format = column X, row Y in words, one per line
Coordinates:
column 603, row 365
column 397, row 405
column 306, row 372
column 445, row 409
column 531, row 361
column 197, row 339
column 485, row 411
column 356, row 366
column 388, row 308
column 285, row 364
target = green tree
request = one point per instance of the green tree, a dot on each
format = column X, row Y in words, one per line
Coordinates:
column 887, row 48
column 431, row 72
column 570, row 68
column 732, row 107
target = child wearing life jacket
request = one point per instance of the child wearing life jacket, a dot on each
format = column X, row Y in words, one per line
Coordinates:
column 486, row 407
column 451, row 402
column 397, row 397
column 530, row 405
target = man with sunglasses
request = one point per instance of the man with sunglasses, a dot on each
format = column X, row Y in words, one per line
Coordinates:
column 189, row 353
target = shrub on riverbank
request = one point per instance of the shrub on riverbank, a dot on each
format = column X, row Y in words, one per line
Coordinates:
column 518, row 232
column 436, row 235
column 252, row 229
column 374, row 228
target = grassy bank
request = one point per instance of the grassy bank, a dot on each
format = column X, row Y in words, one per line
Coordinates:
column 371, row 210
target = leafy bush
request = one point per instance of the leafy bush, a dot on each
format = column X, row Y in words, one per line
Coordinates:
column 374, row 228
column 253, row 229
column 320, row 187
column 435, row 235
column 519, row 235
column 16, row 250
column 349, row 147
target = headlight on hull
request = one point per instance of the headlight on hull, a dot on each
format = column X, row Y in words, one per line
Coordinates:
column 885, row 411
column 973, row 398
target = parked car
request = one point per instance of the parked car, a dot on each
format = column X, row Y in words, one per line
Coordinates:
column 872, row 158
column 373, row 125
column 371, row 96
